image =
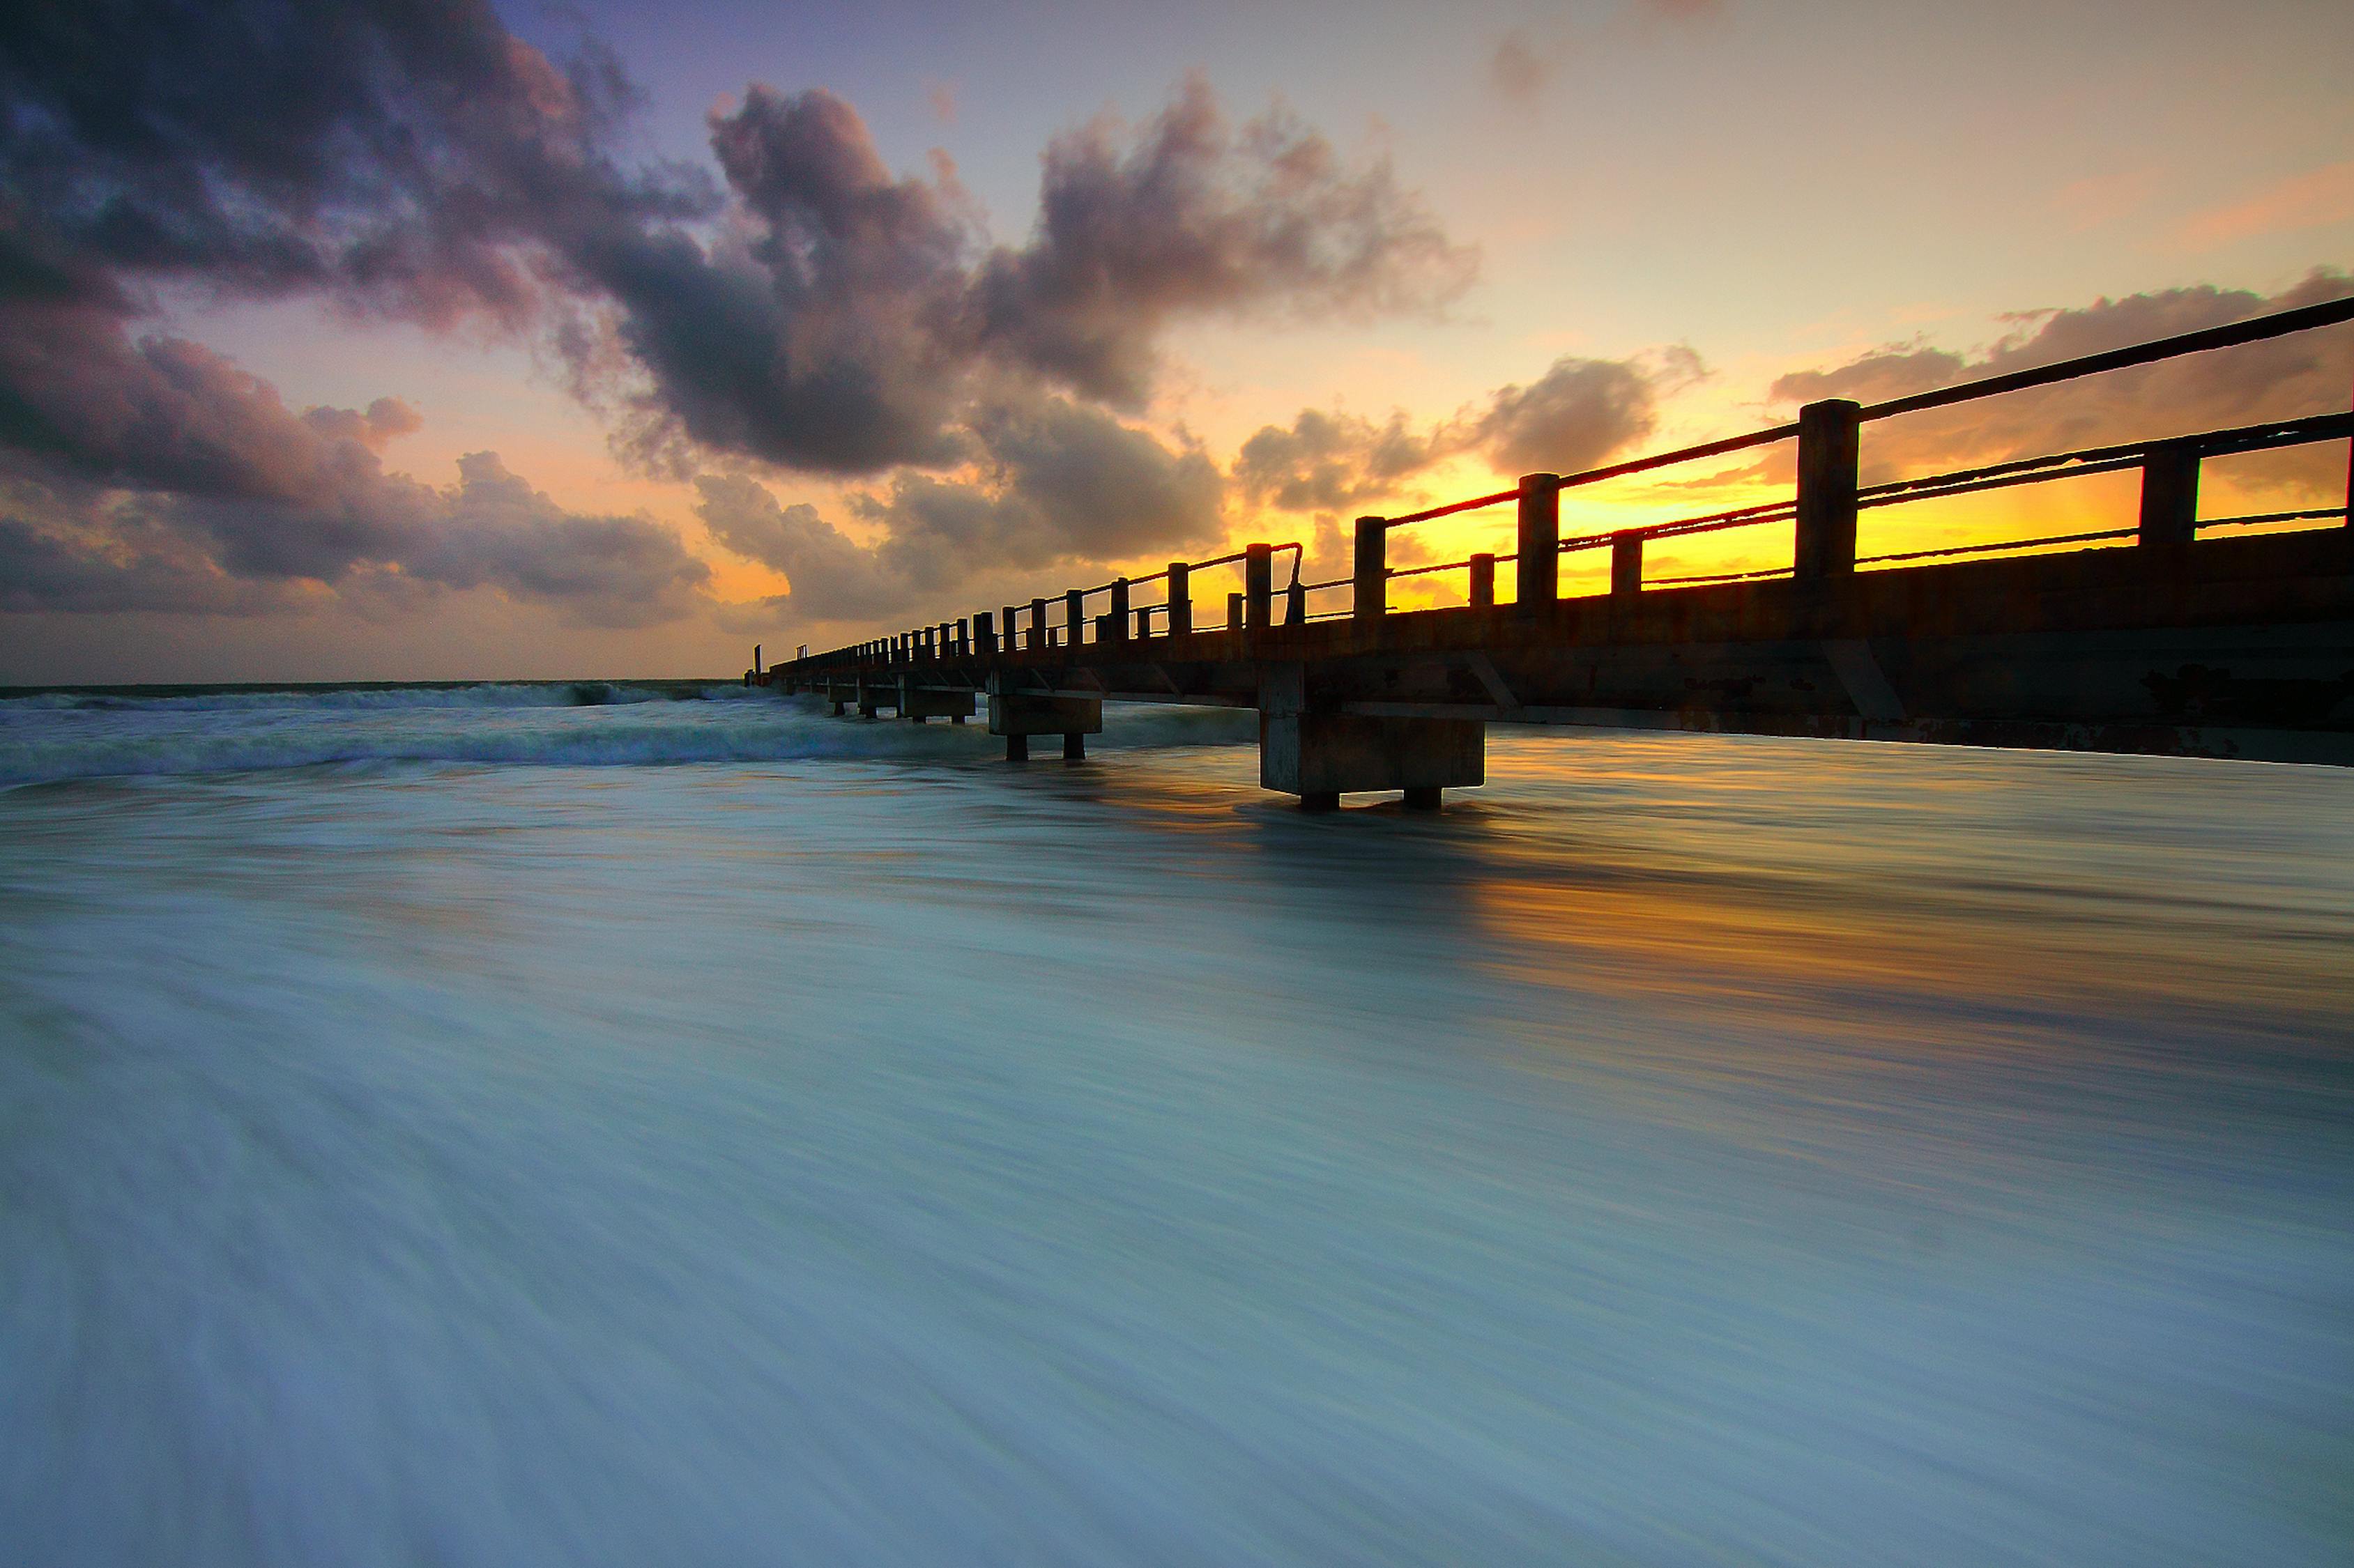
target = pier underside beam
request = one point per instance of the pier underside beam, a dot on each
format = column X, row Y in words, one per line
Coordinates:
column 1018, row 715
column 921, row 703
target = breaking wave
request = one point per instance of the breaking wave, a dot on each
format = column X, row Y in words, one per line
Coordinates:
column 368, row 698
column 48, row 737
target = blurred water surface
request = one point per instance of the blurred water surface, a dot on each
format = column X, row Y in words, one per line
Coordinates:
column 806, row 1141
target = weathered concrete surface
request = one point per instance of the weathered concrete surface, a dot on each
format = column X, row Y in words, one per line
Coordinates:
column 1342, row 753
column 1317, row 752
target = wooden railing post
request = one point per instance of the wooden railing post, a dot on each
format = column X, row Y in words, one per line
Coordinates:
column 1830, row 443
column 1074, row 616
column 1233, row 612
column 1258, row 586
column 2170, row 494
column 1120, row 610
column 1540, row 547
column 1626, row 562
column 1372, row 569
column 1037, row 624
column 1483, row 580
column 1181, row 600
column 964, row 637
column 984, row 632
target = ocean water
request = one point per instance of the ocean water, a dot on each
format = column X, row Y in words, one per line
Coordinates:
column 628, row 1124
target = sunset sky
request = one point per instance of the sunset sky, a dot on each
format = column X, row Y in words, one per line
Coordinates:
column 433, row 341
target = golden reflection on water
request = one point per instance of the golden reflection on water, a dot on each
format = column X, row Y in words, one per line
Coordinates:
column 1759, row 872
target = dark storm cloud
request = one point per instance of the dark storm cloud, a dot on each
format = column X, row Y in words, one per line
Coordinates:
column 165, row 414
column 1580, row 413
column 141, row 470
column 844, row 325
column 410, row 157
column 808, row 309
column 1188, row 214
column 44, row 570
column 826, row 567
column 1325, row 462
column 2304, row 374
column 824, row 330
column 392, row 152
column 1573, row 417
column 1053, row 481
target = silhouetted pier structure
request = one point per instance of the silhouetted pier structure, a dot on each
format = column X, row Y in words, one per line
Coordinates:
column 2191, row 640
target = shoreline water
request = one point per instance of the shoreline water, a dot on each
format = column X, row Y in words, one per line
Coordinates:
column 1687, row 1145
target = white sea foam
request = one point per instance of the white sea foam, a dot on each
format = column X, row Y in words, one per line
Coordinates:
column 52, row 737
column 360, row 698
column 1685, row 1150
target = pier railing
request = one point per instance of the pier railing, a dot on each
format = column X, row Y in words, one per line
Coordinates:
column 1823, row 510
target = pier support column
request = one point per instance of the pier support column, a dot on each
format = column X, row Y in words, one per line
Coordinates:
column 1019, row 714
column 1321, row 754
